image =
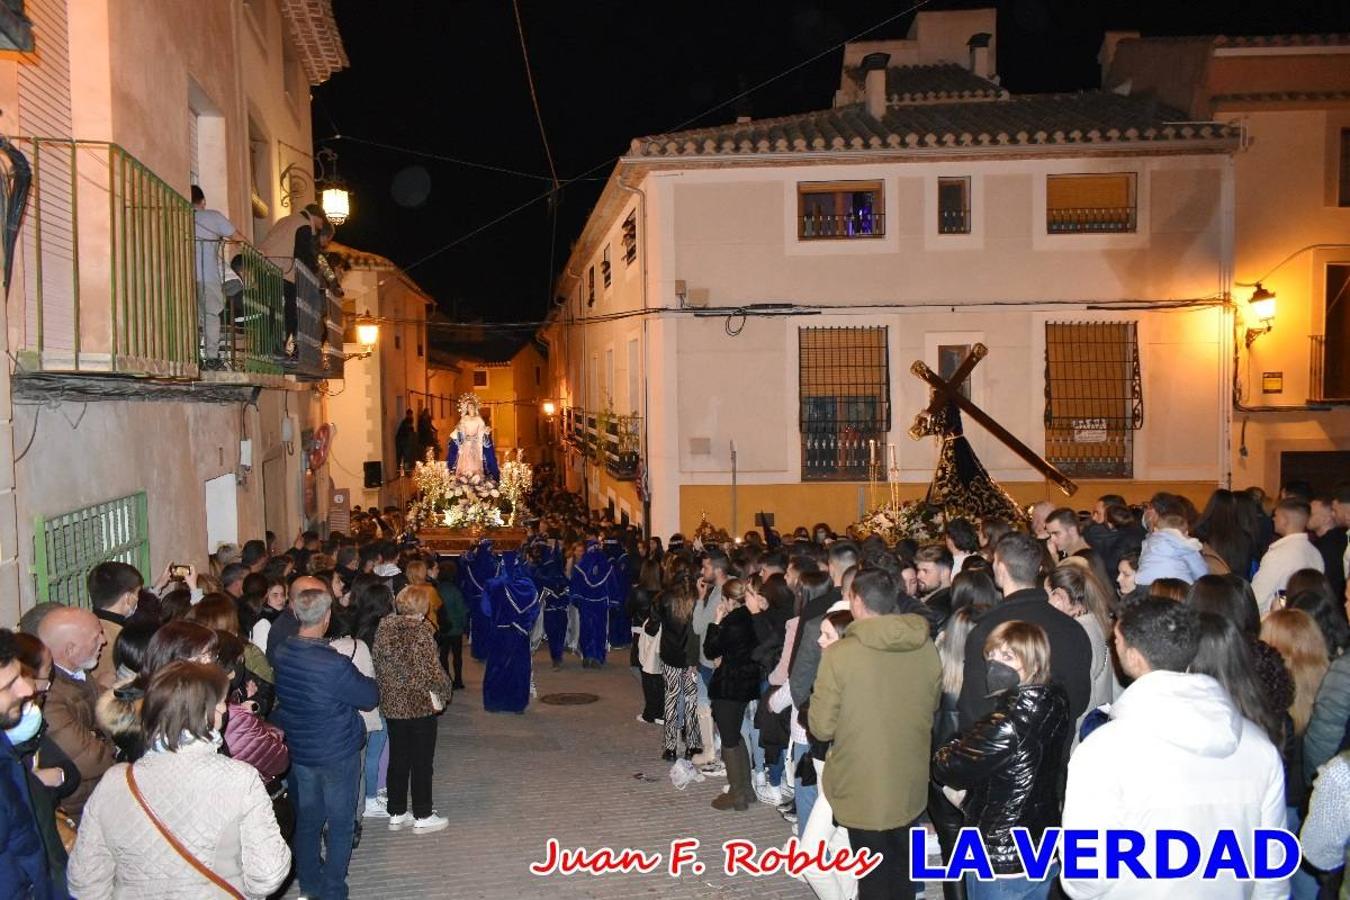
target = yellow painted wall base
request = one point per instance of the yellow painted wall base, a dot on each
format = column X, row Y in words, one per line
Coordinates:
column 837, row 503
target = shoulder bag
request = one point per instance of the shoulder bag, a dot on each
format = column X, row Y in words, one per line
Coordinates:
column 177, row 845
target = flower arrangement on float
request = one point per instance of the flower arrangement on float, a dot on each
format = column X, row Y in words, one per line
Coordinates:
column 453, row 500
column 912, row 519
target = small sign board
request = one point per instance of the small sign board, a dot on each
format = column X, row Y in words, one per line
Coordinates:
column 1089, row 431
column 1272, row 382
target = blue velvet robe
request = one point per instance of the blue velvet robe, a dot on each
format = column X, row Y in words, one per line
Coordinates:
column 476, row 568
column 591, row 586
column 513, row 602
column 620, row 628
column 554, row 599
column 490, row 468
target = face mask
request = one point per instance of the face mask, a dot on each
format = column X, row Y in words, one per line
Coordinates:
column 1001, row 677
column 28, row 725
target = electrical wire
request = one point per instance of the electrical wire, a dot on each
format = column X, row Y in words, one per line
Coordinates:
column 1282, row 262
column 37, row 414
column 534, row 96
column 441, row 157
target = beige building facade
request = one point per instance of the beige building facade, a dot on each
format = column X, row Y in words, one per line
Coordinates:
column 761, row 289
column 118, row 443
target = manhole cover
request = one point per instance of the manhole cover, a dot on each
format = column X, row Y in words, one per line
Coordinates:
column 568, row 699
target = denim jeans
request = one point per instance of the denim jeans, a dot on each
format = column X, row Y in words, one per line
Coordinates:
column 375, row 741
column 804, row 795
column 325, row 794
column 1017, row 888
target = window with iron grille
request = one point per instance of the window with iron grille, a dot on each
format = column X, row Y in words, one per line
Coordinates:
column 480, row 378
column 605, row 269
column 953, row 206
column 67, row 546
column 1093, row 398
column 834, row 210
column 1090, row 204
column 590, row 286
column 630, row 238
column 844, row 384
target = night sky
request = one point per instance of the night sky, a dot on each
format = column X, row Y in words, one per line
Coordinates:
column 446, row 78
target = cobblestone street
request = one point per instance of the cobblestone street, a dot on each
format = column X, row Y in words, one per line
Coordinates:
column 508, row 783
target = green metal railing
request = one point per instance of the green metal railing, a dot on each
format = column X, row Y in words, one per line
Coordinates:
column 111, row 258
column 67, row 546
column 254, row 332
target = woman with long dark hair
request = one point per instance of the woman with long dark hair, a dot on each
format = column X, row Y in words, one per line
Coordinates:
column 1221, row 530
column 1077, row 592
column 672, row 617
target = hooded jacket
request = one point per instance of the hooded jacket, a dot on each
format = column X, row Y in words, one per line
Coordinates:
column 1010, row 764
column 1167, row 553
column 875, row 694
column 1176, row 754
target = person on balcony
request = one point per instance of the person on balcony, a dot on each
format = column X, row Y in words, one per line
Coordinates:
column 215, row 279
column 294, row 239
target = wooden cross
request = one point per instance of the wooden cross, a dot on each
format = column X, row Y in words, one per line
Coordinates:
column 949, row 392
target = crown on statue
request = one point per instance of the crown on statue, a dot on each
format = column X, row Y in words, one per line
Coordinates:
column 467, row 401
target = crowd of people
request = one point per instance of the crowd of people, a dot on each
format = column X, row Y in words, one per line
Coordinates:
column 1144, row 667
column 296, row 689
column 1141, row 667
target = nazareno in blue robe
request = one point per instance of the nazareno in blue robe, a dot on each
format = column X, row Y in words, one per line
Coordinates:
column 554, row 599
column 620, row 628
column 591, row 585
column 490, row 468
column 476, row 568
column 513, row 601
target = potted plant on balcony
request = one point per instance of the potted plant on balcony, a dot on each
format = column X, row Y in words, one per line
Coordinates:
column 625, row 463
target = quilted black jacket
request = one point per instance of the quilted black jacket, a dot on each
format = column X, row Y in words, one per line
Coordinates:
column 1010, row 764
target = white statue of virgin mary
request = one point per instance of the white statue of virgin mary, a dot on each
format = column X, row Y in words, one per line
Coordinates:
column 470, row 450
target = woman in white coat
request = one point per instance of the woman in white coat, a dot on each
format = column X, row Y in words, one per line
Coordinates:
column 183, row 821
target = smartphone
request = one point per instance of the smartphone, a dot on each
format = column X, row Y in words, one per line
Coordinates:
column 179, row 571
column 1281, row 598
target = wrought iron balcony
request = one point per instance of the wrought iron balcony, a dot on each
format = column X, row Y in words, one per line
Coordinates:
column 834, row 226
column 1090, row 220
column 613, row 441
column 1328, row 376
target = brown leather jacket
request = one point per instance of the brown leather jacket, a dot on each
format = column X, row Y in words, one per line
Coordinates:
column 69, row 711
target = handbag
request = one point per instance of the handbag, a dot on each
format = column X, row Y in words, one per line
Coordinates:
column 649, row 650
column 177, row 845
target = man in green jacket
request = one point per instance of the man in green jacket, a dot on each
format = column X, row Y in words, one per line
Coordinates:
column 874, row 697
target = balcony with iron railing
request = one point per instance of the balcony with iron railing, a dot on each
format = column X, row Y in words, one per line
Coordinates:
column 815, row 225
column 110, row 281
column 1090, row 219
column 609, row 440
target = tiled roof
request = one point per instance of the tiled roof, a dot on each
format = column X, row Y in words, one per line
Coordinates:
column 1033, row 120
column 1282, row 40
column 1282, row 97
column 929, row 84
column 316, row 36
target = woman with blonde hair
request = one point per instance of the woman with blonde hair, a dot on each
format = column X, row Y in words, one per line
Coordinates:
column 1075, row 591
column 1299, row 641
column 1004, row 770
column 413, row 690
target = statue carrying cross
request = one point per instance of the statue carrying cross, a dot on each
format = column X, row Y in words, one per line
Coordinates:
column 961, row 484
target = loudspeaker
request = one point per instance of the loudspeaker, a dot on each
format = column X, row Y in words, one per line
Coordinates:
column 374, row 473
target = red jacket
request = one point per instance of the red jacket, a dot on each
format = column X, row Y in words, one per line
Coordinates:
column 260, row 744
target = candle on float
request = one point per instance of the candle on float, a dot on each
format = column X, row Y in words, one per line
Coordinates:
column 890, row 449
column 872, row 451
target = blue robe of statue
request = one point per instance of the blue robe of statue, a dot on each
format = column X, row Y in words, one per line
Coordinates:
column 554, row 599
column 490, row 468
column 514, row 604
column 620, row 628
column 591, row 586
column 476, row 568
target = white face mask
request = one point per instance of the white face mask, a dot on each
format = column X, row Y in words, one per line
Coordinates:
column 28, row 725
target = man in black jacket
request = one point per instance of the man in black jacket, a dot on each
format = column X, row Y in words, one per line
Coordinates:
column 1017, row 567
column 933, row 569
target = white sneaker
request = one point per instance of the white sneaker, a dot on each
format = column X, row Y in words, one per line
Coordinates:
column 431, row 823
column 375, row 808
column 401, row 821
column 767, row 793
column 758, row 778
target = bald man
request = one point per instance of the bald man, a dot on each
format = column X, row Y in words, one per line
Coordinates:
column 75, row 639
column 287, row 625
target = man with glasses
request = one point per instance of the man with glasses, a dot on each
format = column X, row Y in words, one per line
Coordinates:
column 23, row 859
column 75, row 639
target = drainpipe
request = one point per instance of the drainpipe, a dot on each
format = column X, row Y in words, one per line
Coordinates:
column 642, row 356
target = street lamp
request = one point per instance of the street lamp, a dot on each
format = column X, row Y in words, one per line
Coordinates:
column 550, row 408
column 1261, row 308
column 335, row 199
column 367, row 331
